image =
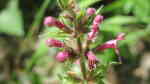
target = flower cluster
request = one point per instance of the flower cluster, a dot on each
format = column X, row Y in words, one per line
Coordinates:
column 90, row 55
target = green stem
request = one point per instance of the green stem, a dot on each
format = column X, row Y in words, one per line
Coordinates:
column 82, row 60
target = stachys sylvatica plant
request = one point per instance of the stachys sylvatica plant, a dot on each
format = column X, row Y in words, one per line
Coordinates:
column 82, row 27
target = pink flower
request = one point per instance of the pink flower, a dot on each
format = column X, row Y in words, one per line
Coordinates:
column 108, row 44
column 54, row 43
column 62, row 56
column 50, row 21
column 91, row 11
column 98, row 19
column 111, row 43
column 91, row 60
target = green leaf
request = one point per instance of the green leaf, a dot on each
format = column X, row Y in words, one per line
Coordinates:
column 115, row 24
column 98, row 11
column 54, row 32
column 114, row 6
column 86, row 3
column 63, row 4
column 144, row 7
column 120, row 20
column 11, row 20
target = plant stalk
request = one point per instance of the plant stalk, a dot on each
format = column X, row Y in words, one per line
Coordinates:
column 82, row 59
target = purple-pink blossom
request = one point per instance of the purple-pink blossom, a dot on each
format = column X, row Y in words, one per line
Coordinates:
column 91, row 60
column 108, row 44
column 62, row 56
column 90, row 11
column 54, row 43
column 111, row 43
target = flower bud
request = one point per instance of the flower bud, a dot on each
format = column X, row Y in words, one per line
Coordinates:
column 92, row 35
column 94, row 31
column 98, row 19
column 62, row 56
column 91, row 11
column 95, row 28
column 50, row 21
column 54, row 43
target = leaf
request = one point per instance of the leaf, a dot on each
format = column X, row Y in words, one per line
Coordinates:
column 114, row 6
column 63, row 4
column 120, row 20
column 98, row 11
column 11, row 20
column 128, row 6
column 144, row 7
column 86, row 3
column 40, row 52
column 115, row 24
column 54, row 32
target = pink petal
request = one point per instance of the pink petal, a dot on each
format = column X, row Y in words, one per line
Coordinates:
column 120, row 36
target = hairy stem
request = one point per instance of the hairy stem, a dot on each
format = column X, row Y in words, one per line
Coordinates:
column 82, row 59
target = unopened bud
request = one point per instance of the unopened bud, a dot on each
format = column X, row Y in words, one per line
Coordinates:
column 50, row 21
column 91, row 11
column 98, row 19
column 54, row 43
column 62, row 56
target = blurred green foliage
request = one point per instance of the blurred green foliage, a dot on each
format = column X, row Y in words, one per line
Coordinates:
column 11, row 20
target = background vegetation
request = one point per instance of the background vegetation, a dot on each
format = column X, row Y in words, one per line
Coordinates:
column 25, row 59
